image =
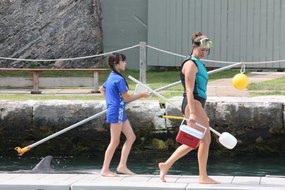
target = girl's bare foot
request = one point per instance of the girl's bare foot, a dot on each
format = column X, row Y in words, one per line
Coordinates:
column 108, row 174
column 125, row 171
column 207, row 180
column 163, row 171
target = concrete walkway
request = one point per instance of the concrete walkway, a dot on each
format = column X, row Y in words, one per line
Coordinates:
column 94, row 181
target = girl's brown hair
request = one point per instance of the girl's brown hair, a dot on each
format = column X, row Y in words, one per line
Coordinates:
column 115, row 59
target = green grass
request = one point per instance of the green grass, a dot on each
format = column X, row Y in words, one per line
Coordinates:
column 267, row 93
column 43, row 97
column 271, row 87
column 155, row 79
column 50, row 73
column 275, row 85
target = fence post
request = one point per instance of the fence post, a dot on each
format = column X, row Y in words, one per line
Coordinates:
column 143, row 62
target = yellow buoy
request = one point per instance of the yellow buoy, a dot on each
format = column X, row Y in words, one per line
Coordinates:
column 240, row 81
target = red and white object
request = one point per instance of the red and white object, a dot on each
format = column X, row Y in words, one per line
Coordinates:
column 190, row 136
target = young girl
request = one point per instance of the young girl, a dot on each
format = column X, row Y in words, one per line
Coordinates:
column 115, row 91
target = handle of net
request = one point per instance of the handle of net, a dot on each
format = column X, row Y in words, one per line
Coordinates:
column 165, row 99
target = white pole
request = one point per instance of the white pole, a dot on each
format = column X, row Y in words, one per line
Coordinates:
column 210, row 72
column 165, row 99
column 67, row 129
column 21, row 151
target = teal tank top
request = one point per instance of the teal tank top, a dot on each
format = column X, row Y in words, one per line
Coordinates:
column 201, row 80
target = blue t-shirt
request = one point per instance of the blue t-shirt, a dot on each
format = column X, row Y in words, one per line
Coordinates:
column 115, row 85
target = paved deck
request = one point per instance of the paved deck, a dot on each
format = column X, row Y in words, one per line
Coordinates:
column 95, row 182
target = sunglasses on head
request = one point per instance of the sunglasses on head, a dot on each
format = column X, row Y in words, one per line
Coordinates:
column 204, row 42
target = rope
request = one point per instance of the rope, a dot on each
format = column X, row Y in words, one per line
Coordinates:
column 215, row 61
column 164, row 51
column 249, row 62
column 69, row 59
column 131, row 47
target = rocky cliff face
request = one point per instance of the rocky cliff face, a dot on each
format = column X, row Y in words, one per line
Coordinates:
column 40, row 29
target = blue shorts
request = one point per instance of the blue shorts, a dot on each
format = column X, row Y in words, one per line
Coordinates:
column 116, row 115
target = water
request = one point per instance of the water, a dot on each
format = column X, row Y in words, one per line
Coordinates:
column 147, row 164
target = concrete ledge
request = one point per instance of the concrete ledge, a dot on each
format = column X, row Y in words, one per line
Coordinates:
column 257, row 123
column 94, row 181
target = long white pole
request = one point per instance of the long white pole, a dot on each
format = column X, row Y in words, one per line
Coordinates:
column 21, row 151
column 165, row 99
column 210, row 72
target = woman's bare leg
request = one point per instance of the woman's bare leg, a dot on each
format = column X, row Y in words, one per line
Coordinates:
column 203, row 151
column 181, row 151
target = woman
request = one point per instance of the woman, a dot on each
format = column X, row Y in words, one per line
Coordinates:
column 194, row 78
column 115, row 91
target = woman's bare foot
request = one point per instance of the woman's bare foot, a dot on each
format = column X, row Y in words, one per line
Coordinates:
column 207, row 180
column 125, row 171
column 163, row 171
column 108, row 174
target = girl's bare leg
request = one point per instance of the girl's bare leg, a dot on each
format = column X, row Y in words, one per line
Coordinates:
column 130, row 139
column 115, row 130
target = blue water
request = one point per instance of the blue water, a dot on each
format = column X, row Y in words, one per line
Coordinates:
column 147, row 164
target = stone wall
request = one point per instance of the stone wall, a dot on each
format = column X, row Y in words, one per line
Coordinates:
column 40, row 29
column 258, row 124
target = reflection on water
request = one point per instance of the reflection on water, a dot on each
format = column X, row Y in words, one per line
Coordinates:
column 147, row 164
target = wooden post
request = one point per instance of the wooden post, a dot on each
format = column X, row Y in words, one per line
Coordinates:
column 143, row 62
column 36, row 83
column 96, row 82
